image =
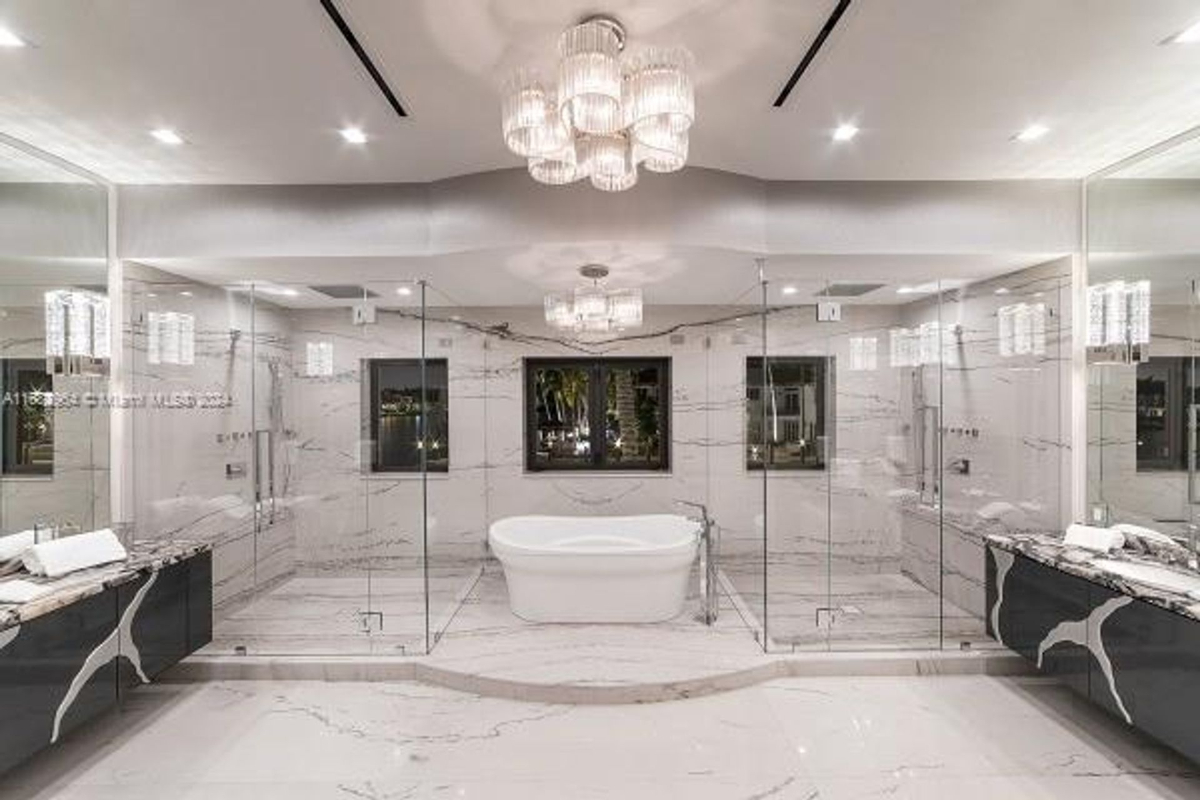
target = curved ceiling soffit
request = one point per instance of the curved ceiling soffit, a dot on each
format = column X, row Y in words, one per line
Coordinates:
column 505, row 211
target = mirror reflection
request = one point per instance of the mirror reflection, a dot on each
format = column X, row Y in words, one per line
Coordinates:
column 1143, row 267
column 54, row 353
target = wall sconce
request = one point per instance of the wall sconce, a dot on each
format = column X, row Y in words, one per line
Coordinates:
column 912, row 347
column 77, row 337
column 171, row 338
column 863, row 351
column 1022, row 329
column 319, row 362
column 1118, row 322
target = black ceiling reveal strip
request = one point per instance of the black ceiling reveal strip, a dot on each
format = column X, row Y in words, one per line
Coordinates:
column 369, row 65
column 813, row 49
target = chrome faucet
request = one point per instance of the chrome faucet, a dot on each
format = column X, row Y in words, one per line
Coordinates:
column 709, row 598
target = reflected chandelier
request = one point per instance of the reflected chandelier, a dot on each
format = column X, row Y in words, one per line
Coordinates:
column 607, row 115
column 594, row 309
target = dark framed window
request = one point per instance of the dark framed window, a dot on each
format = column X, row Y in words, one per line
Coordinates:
column 1166, row 394
column 396, row 414
column 26, row 391
column 597, row 414
column 792, row 398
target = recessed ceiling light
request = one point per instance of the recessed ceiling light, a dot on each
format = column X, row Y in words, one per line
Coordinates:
column 166, row 136
column 932, row 287
column 1002, row 290
column 277, row 291
column 1032, row 133
column 404, row 291
column 354, row 135
column 790, row 290
column 1188, row 36
column 10, row 39
column 185, row 294
column 845, row 132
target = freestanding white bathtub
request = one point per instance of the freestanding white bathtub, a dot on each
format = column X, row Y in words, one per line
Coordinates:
column 596, row 569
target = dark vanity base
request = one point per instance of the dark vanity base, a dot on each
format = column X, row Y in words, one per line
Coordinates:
column 64, row 668
column 1139, row 661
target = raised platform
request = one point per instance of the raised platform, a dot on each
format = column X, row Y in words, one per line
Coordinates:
column 488, row 651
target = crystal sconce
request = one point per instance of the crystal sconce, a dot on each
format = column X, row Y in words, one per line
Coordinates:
column 171, row 338
column 863, row 353
column 77, row 335
column 1118, row 322
column 319, row 361
column 1022, row 329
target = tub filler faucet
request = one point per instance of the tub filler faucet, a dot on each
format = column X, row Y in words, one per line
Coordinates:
column 709, row 597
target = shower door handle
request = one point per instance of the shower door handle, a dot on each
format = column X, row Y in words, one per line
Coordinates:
column 264, row 495
column 931, row 459
column 1191, row 455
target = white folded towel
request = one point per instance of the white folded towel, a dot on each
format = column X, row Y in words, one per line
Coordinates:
column 20, row 591
column 71, row 553
column 1101, row 540
column 1148, row 534
column 14, row 545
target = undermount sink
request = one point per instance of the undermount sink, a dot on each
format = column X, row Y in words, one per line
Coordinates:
column 1152, row 575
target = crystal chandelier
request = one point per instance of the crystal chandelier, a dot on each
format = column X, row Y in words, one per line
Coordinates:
column 594, row 309
column 607, row 114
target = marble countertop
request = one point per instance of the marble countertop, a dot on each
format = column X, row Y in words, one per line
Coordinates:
column 143, row 557
column 1048, row 549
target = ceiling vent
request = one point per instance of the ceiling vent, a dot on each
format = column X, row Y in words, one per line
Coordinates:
column 848, row 289
column 345, row 292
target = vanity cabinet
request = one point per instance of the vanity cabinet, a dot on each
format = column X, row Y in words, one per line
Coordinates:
column 38, row 665
column 1137, row 660
column 1155, row 656
column 75, row 662
column 1036, row 599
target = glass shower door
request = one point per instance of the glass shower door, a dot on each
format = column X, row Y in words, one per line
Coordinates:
column 887, row 353
column 854, row 484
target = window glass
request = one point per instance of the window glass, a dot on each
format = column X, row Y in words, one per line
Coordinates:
column 28, row 416
column 792, row 405
column 606, row 414
column 633, row 406
column 396, row 415
column 1166, row 395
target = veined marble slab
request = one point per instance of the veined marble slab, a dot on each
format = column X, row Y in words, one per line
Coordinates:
column 1048, row 549
column 143, row 557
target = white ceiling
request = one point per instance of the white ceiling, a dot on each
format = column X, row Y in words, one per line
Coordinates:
column 666, row 275
column 259, row 88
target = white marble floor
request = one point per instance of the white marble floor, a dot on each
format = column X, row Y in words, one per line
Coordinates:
column 322, row 614
column 827, row 738
column 487, row 640
column 876, row 610
column 485, row 648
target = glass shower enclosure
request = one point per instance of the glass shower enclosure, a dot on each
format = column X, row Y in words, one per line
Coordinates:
column 346, row 447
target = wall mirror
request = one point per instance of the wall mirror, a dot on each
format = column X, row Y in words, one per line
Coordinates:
column 1143, row 329
column 54, row 347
